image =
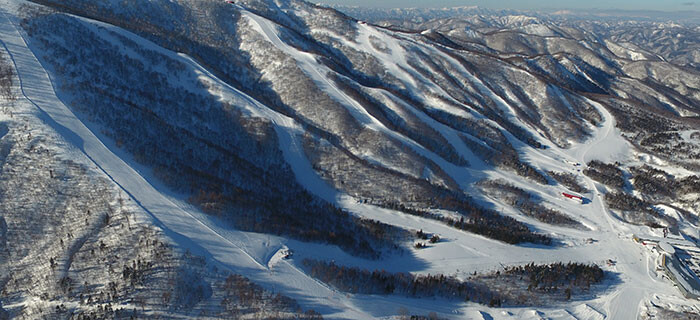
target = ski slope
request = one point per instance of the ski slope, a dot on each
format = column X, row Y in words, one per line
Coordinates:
column 179, row 223
column 307, row 62
column 260, row 257
column 478, row 253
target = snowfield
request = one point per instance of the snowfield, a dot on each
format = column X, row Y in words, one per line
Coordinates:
column 274, row 262
column 240, row 252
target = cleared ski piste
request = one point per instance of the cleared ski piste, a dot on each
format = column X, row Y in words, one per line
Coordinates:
column 238, row 252
column 257, row 256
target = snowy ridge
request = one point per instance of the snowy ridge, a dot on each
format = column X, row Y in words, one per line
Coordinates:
column 275, row 262
column 176, row 221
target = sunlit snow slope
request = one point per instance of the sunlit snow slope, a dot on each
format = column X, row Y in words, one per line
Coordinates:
column 377, row 133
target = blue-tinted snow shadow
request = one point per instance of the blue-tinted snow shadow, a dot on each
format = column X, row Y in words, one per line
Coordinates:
column 485, row 315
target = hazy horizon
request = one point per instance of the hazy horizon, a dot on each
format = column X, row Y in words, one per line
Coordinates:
column 646, row 5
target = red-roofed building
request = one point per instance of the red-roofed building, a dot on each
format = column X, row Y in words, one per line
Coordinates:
column 573, row 197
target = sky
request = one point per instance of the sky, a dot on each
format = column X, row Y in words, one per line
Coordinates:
column 657, row 5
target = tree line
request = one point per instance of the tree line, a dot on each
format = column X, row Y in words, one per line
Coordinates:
column 513, row 286
column 605, row 173
column 568, row 180
column 528, row 204
column 7, row 75
column 230, row 164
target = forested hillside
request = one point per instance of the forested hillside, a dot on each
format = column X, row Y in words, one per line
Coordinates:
column 283, row 160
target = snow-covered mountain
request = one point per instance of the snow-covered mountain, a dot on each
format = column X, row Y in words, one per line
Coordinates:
column 279, row 159
column 415, row 14
column 672, row 36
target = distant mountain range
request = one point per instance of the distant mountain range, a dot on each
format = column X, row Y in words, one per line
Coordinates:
column 280, row 159
column 689, row 17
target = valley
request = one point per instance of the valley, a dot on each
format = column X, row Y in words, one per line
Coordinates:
column 271, row 139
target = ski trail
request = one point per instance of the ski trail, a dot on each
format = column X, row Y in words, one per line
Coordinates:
column 39, row 91
column 240, row 253
column 288, row 132
column 625, row 303
column 307, row 62
column 177, row 222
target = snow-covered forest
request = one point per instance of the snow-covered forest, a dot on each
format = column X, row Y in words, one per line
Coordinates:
column 283, row 160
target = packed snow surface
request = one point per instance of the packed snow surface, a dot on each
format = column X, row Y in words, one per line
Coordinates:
column 266, row 259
